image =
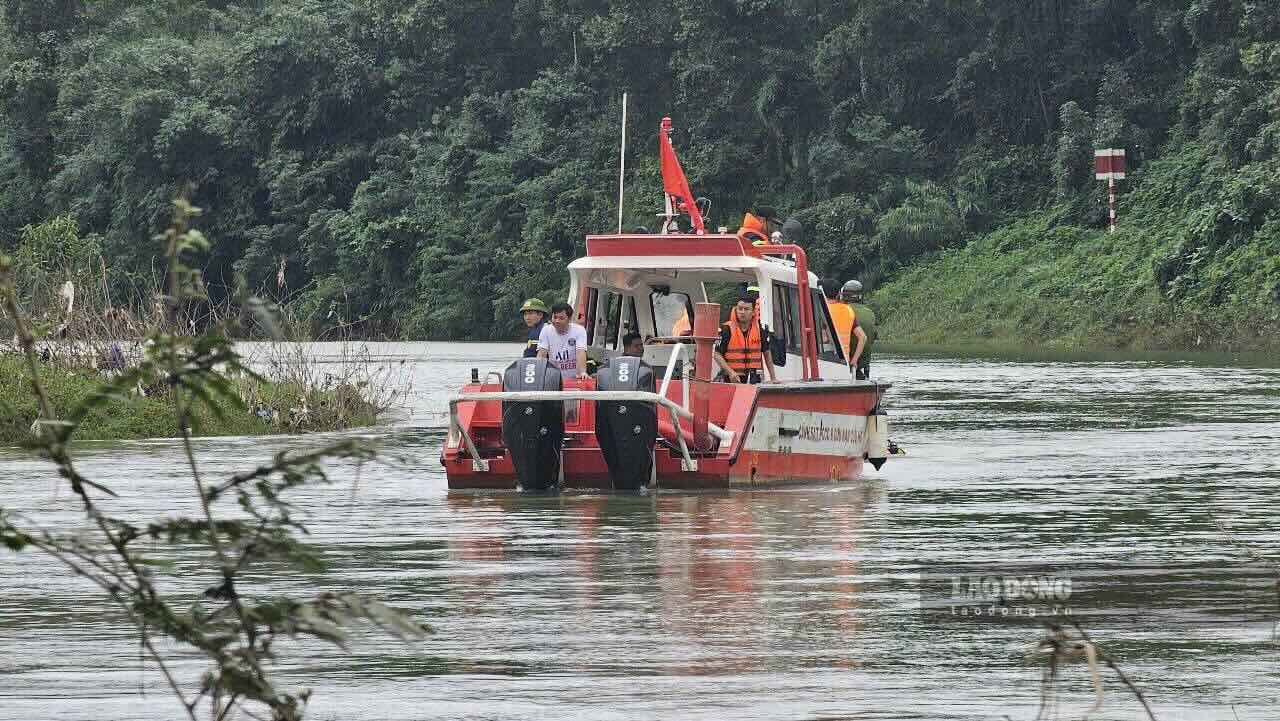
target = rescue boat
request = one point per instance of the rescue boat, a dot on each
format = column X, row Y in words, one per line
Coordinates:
column 663, row 420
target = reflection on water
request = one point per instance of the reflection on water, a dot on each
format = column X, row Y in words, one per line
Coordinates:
column 795, row 604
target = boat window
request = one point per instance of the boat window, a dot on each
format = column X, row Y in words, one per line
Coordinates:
column 672, row 314
column 828, row 346
column 588, row 314
column 631, row 322
column 603, row 317
column 611, row 305
column 726, row 294
column 786, row 315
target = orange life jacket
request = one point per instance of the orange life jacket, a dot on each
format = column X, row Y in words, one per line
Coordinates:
column 681, row 326
column 753, row 230
column 842, row 317
column 743, row 353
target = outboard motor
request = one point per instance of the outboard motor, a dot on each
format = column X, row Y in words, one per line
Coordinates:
column 533, row 431
column 627, row 430
column 877, row 437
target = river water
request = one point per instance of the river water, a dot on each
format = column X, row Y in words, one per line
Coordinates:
column 799, row 604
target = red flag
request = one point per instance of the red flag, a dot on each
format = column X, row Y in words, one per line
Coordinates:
column 673, row 180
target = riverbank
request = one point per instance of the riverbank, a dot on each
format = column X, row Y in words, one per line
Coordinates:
column 1033, row 353
column 1186, row 270
column 269, row 408
column 1074, row 290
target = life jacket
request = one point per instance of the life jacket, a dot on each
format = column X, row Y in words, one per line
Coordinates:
column 743, row 353
column 842, row 318
column 681, row 326
column 753, row 230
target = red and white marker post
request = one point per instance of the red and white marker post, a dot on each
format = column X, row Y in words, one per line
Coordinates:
column 1108, row 165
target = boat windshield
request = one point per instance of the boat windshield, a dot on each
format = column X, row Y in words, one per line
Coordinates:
column 671, row 313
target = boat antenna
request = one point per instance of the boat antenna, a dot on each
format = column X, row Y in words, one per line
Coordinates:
column 622, row 160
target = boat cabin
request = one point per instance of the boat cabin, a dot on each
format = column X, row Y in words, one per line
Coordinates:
column 648, row 284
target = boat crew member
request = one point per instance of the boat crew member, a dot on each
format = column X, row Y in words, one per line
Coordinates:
column 534, row 312
column 753, row 292
column 863, row 335
column 564, row 342
column 841, row 315
column 753, row 230
column 633, row 345
column 744, row 346
column 682, row 326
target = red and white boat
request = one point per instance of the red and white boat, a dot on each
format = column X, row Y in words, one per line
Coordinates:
column 651, row 422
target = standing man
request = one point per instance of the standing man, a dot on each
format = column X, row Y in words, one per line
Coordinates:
column 752, row 292
column 633, row 345
column 744, row 346
column 841, row 316
column 534, row 312
column 564, row 343
column 754, row 230
column 864, row 333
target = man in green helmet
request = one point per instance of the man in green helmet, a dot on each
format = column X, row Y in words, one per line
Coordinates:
column 863, row 334
column 534, row 312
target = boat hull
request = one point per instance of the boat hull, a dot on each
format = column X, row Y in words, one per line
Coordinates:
column 782, row 434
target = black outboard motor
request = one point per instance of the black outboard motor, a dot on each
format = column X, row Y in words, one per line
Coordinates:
column 627, row 430
column 533, row 431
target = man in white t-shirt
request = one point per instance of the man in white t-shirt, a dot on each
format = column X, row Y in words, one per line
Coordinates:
column 564, row 343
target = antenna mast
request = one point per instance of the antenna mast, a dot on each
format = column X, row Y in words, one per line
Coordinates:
column 622, row 160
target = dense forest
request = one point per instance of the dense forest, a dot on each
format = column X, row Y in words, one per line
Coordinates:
column 419, row 167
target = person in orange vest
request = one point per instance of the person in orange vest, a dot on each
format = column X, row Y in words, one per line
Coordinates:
column 682, row 326
column 743, row 350
column 864, row 330
column 754, row 230
column 752, row 292
column 841, row 315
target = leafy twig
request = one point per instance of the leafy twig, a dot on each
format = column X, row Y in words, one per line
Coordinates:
column 1060, row 645
column 236, row 636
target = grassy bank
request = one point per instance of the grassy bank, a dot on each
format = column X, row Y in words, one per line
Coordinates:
column 1185, row 272
column 1032, row 353
column 268, row 408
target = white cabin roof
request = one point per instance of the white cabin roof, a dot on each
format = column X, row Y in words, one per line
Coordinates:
column 668, row 262
column 640, row 265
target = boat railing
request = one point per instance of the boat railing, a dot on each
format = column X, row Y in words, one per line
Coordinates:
column 686, row 461
column 677, row 412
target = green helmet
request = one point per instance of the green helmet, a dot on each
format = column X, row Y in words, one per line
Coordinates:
column 852, row 289
column 535, row 304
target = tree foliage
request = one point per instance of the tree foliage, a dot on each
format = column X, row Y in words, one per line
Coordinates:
column 416, row 168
